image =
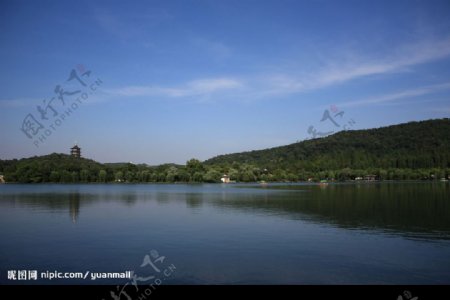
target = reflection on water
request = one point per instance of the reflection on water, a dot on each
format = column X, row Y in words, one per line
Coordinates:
column 420, row 208
column 303, row 233
column 408, row 208
column 74, row 206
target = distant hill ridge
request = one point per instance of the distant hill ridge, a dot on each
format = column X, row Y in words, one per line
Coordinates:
column 414, row 150
column 424, row 144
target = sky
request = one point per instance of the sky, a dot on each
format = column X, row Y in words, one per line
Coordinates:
column 166, row 81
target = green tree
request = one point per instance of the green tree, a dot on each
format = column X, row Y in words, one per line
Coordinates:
column 172, row 174
column 161, row 176
column 66, row 176
column 212, row 176
column 75, row 177
column 118, row 176
column 292, row 177
column 233, row 173
column 102, row 176
column 197, row 177
column 129, row 176
column 84, row 175
column 194, row 166
column 54, row 176
column 184, row 175
column 144, row 176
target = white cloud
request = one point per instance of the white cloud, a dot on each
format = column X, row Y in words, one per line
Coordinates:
column 211, row 85
column 335, row 73
column 272, row 85
column 425, row 90
column 201, row 87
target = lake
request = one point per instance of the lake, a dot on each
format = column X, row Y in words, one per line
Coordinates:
column 344, row 233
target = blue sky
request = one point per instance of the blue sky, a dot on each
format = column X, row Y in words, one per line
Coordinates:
column 184, row 79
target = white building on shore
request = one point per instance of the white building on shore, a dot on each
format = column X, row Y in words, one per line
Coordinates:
column 225, row 178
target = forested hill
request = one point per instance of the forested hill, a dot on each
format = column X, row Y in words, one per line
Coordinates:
column 413, row 145
column 55, row 167
column 416, row 150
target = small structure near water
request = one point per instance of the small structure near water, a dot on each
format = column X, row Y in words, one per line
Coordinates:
column 225, row 178
column 366, row 178
column 370, row 177
column 2, row 180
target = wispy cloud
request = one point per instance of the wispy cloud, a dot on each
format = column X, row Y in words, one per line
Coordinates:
column 266, row 86
column 201, row 87
column 333, row 73
column 443, row 110
column 425, row 90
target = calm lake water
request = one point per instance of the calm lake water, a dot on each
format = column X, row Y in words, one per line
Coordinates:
column 369, row 233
